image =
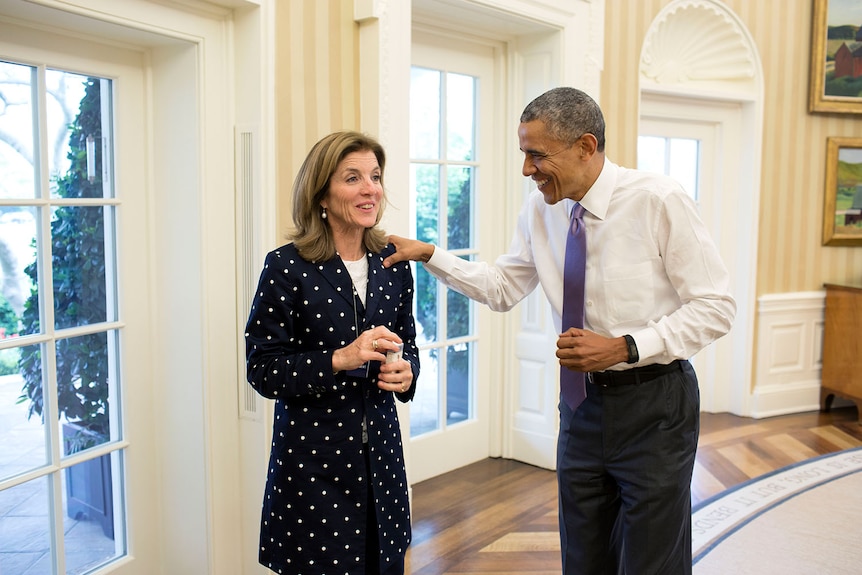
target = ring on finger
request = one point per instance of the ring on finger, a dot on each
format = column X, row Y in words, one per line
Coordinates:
column 402, row 388
column 374, row 344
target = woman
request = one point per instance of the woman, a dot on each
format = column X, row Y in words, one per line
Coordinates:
column 324, row 317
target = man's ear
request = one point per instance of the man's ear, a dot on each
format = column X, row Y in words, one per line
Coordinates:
column 587, row 145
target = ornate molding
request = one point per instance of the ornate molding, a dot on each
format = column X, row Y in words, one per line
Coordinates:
column 697, row 41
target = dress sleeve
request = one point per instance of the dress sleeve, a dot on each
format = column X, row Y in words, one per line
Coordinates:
column 275, row 366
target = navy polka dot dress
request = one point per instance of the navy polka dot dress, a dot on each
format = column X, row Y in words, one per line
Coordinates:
column 315, row 508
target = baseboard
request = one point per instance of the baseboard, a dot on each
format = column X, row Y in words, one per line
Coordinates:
column 796, row 397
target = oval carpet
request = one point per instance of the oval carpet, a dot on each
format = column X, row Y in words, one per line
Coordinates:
column 802, row 519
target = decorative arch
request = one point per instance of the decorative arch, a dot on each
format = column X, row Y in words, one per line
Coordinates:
column 699, row 44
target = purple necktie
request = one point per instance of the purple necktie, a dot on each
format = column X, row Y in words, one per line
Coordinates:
column 572, row 384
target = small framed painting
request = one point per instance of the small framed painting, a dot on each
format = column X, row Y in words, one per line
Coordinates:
column 842, row 204
column 836, row 57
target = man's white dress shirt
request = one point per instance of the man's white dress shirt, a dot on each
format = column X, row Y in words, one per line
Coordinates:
column 653, row 270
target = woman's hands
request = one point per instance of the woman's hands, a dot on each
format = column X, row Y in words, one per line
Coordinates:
column 372, row 345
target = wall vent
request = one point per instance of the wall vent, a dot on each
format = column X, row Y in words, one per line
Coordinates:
column 248, row 194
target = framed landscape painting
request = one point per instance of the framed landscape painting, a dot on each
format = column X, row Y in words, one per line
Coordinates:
column 836, row 57
column 842, row 204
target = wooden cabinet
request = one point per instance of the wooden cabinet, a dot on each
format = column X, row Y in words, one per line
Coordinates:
column 842, row 346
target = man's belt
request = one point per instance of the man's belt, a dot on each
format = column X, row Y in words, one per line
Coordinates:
column 634, row 376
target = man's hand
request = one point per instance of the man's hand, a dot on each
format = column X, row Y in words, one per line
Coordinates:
column 582, row 350
column 407, row 249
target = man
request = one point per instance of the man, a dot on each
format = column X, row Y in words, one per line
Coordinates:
column 655, row 293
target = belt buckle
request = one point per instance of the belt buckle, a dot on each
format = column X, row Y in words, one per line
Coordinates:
column 601, row 383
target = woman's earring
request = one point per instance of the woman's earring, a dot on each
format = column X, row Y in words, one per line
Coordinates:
column 323, row 214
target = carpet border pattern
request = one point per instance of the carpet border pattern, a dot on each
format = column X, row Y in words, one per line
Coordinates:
column 718, row 517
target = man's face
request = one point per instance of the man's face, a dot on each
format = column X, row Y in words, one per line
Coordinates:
column 557, row 168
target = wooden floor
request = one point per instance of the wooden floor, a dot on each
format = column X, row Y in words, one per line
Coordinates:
column 499, row 516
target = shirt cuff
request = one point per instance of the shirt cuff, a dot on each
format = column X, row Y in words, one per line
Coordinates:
column 441, row 262
column 649, row 344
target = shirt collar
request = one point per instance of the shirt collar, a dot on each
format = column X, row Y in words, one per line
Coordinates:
column 598, row 197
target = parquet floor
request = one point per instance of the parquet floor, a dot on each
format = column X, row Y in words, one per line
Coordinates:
column 499, row 516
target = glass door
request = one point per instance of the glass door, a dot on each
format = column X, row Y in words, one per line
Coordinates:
column 69, row 268
column 450, row 176
column 59, row 343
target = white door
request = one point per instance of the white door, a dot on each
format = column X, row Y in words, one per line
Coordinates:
column 694, row 140
column 78, row 229
column 452, row 179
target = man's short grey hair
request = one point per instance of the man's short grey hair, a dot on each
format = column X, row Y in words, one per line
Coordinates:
column 568, row 114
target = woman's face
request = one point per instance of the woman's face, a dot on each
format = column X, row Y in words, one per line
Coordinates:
column 353, row 200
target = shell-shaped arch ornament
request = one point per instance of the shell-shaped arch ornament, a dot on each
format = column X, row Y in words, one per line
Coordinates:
column 696, row 41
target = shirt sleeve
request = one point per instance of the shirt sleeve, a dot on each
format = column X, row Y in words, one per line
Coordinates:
column 697, row 274
column 500, row 285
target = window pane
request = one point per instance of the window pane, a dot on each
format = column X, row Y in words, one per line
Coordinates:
column 651, row 154
column 424, row 113
column 18, row 234
column 22, row 432
column 460, row 207
column 79, row 266
column 425, row 180
column 425, row 407
column 674, row 157
column 683, row 163
column 458, row 314
column 17, row 113
column 460, row 106
column 426, row 307
column 77, row 161
column 83, row 391
column 25, row 540
column 89, row 514
column 458, row 382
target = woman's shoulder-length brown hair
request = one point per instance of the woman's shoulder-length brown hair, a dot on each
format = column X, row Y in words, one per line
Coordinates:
column 311, row 235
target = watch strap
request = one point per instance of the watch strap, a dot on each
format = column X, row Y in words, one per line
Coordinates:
column 633, row 349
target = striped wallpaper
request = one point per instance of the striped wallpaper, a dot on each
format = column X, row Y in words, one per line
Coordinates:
column 316, row 83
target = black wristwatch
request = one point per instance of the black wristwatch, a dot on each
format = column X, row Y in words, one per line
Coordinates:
column 633, row 349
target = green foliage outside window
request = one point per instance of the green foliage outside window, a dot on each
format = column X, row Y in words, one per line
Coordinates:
column 459, row 218
column 8, row 326
column 78, row 267
column 8, row 318
column 458, row 235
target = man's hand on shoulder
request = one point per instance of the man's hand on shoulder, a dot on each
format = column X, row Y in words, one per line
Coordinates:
column 407, row 249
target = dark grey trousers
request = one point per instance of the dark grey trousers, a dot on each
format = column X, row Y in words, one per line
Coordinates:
column 624, row 464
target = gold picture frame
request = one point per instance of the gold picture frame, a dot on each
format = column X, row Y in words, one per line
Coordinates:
column 842, row 204
column 831, row 55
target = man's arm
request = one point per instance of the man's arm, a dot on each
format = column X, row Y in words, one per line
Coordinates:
column 407, row 249
column 500, row 285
